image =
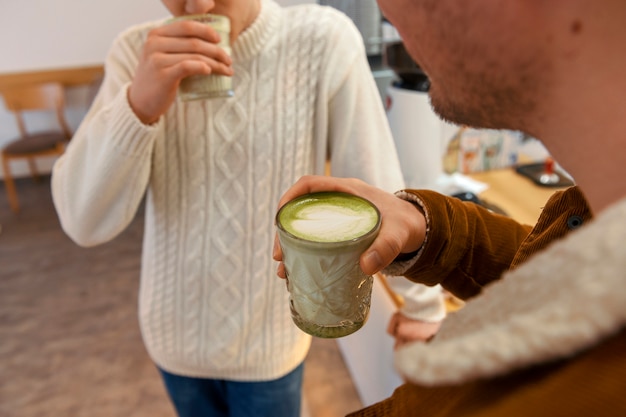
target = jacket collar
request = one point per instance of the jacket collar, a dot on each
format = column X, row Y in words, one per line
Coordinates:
column 563, row 300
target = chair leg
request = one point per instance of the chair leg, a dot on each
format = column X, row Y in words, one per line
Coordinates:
column 10, row 185
column 33, row 170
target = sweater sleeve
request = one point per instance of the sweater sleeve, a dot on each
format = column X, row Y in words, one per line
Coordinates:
column 98, row 184
column 466, row 246
column 359, row 138
column 419, row 302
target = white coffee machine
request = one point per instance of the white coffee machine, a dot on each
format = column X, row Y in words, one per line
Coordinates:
column 420, row 134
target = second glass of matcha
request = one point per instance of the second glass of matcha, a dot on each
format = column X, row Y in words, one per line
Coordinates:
column 322, row 236
column 198, row 87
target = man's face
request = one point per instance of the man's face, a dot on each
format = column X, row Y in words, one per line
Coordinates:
column 483, row 57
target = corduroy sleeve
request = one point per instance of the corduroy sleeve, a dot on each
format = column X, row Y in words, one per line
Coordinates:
column 467, row 246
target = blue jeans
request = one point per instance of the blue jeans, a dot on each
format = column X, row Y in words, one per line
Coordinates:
column 199, row 397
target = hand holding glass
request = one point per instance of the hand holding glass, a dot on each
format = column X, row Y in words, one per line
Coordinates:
column 197, row 87
column 322, row 236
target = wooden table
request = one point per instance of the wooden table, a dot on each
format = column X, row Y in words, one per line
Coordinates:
column 517, row 195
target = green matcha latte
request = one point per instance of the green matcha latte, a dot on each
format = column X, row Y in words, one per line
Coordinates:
column 322, row 236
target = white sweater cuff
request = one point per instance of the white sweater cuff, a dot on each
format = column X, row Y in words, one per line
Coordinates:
column 127, row 132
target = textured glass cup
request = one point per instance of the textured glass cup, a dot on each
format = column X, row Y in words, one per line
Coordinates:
column 322, row 236
column 198, row 87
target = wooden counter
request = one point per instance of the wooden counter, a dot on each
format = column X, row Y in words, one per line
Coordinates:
column 517, row 195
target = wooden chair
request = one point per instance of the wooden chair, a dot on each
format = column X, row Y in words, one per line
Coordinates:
column 30, row 146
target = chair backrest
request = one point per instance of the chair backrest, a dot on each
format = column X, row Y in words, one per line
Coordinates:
column 29, row 97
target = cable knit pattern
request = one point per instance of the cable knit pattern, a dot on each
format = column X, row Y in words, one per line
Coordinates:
column 212, row 172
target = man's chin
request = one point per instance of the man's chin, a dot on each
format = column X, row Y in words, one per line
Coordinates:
column 460, row 114
column 445, row 110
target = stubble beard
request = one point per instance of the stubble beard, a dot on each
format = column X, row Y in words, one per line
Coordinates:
column 492, row 97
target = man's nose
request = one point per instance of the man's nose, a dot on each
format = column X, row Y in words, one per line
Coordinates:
column 199, row 6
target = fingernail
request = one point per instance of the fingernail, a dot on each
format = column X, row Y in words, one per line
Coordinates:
column 372, row 262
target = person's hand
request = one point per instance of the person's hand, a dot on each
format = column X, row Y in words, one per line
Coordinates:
column 172, row 52
column 402, row 230
column 406, row 330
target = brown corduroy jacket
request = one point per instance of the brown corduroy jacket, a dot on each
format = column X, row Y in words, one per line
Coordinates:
column 506, row 371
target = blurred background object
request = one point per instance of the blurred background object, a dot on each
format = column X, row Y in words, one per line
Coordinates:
column 32, row 144
column 368, row 19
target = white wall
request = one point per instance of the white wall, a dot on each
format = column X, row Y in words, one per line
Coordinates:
column 49, row 34
column 41, row 34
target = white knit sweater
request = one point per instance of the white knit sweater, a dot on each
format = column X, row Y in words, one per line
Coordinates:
column 212, row 173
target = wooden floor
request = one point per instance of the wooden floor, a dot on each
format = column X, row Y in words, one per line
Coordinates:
column 69, row 338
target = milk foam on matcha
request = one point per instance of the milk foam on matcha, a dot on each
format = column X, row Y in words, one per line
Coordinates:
column 329, row 217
